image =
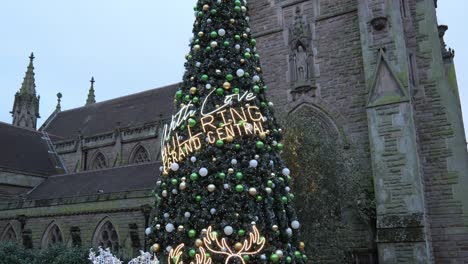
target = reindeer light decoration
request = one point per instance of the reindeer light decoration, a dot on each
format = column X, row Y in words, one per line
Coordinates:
column 251, row 246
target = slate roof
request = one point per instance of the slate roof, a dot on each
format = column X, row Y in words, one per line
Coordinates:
column 132, row 110
column 120, row 179
column 24, row 150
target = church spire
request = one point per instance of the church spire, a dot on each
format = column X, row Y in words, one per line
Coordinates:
column 26, row 106
column 29, row 82
column 91, row 97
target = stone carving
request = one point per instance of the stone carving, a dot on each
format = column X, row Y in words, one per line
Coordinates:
column 301, row 57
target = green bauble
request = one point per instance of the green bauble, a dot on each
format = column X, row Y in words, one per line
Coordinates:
column 284, row 199
column 237, row 3
column 179, row 94
column 192, row 253
column 213, row 34
column 260, row 145
column 219, row 143
column 192, row 122
column 274, row 258
column 236, row 90
column 280, row 146
column 174, row 181
column 213, row 11
column 229, row 77
column 237, row 146
column 221, row 175
column 256, row 89
column 226, row 43
column 204, row 77
column 288, row 259
column 239, row 176
column 192, row 233
column 253, row 42
column 237, row 9
column 247, row 55
column 241, row 232
column 194, row 176
column 237, row 37
column 198, row 198
column 297, row 254
column 220, row 91
column 239, row 188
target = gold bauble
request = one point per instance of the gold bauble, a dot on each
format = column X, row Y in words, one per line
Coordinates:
column 180, row 228
column 258, row 69
column 192, row 78
column 206, row 7
column 245, row 35
column 193, row 90
column 263, row 135
column 198, row 243
column 242, row 61
column 238, row 246
column 232, row 20
column 200, row 34
column 229, row 138
column 196, row 47
column 227, row 85
column 230, row 170
column 274, row 228
column 301, row 245
column 155, row 247
column 214, row 159
column 158, row 226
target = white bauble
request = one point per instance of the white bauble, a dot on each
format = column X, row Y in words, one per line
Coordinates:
column 279, row 253
column 164, row 193
column 169, row 228
column 256, row 78
column 233, row 161
column 253, row 191
column 203, row 172
column 289, row 231
column 169, row 249
column 161, row 168
column 247, row 30
column 263, row 257
column 240, row 72
column 287, row 189
column 226, row 186
column 148, row 231
column 193, row 159
column 214, row 44
column 237, row 46
column 268, row 190
column 209, row 20
column 187, row 214
column 197, row 64
column 211, row 187
column 221, row 32
column 166, row 215
column 174, row 191
column 208, row 86
column 212, row 211
column 295, row 224
column 228, row 230
column 253, row 163
column 286, row 172
column 183, row 186
column 175, row 166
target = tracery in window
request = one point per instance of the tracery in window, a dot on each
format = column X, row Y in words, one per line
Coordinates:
column 107, row 237
column 140, row 155
column 52, row 236
column 99, row 162
column 9, row 234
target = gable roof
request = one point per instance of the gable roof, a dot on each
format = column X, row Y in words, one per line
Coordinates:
column 120, row 179
column 132, row 110
column 25, row 150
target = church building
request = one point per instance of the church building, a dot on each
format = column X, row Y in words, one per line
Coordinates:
column 376, row 73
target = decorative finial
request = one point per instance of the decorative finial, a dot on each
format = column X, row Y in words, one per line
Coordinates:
column 32, row 56
column 59, row 99
column 91, row 97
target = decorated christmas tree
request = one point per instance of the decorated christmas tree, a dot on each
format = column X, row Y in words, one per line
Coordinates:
column 223, row 194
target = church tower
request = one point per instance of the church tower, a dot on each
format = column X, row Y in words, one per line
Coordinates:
column 26, row 107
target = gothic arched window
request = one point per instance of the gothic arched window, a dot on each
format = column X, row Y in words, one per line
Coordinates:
column 99, row 162
column 140, row 155
column 106, row 237
column 9, row 234
column 52, row 236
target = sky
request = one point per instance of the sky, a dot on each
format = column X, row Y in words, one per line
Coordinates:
column 128, row 46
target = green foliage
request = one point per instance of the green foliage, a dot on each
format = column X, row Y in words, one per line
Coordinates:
column 11, row 253
column 333, row 196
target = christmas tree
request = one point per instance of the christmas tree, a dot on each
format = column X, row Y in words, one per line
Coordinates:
column 223, row 194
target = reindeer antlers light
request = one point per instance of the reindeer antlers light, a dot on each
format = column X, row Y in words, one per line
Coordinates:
column 251, row 246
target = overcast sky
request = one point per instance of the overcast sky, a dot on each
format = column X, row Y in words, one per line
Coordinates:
column 128, row 46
